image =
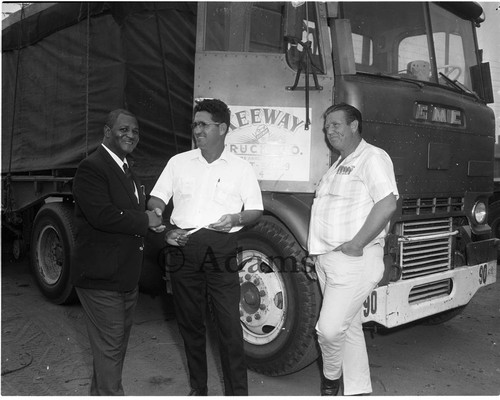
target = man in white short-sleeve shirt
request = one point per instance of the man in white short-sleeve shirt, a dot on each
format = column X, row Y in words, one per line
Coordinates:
column 350, row 218
column 215, row 193
column 202, row 192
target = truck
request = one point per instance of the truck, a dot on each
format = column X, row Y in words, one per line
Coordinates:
column 413, row 69
column 494, row 203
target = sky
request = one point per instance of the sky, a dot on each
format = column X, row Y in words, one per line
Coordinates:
column 9, row 8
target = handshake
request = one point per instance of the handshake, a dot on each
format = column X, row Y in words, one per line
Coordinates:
column 155, row 220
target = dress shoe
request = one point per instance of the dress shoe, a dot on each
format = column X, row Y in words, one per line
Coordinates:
column 198, row 392
column 329, row 387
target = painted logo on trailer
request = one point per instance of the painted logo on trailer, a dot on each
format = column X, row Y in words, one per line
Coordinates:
column 273, row 140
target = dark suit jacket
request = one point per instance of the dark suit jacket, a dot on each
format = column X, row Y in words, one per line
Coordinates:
column 110, row 226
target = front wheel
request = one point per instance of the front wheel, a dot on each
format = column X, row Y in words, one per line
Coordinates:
column 494, row 220
column 51, row 247
column 279, row 303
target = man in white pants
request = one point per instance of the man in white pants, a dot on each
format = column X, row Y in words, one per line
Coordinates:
column 350, row 217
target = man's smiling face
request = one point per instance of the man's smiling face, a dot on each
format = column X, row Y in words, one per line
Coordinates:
column 123, row 136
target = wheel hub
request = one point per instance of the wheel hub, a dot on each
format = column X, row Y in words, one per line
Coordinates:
column 250, row 299
column 262, row 310
column 50, row 255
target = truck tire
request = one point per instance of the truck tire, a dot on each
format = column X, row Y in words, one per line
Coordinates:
column 494, row 221
column 52, row 243
column 279, row 303
column 494, row 218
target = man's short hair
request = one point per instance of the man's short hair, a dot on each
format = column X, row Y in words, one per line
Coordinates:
column 113, row 116
column 217, row 108
column 351, row 113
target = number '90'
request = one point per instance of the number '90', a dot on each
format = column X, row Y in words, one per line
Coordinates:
column 370, row 304
column 483, row 274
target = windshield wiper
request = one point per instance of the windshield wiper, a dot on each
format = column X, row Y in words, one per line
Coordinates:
column 459, row 86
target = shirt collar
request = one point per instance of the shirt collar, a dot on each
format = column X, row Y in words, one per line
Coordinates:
column 224, row 155
column 117, row 159
column 359, row 148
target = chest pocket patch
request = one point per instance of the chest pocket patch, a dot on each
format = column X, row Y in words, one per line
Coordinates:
column 224, row 192
column 186, row 188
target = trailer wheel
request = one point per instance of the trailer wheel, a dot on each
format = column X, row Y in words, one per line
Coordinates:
column 51, row 247
column 18, row 249
column 279, row 304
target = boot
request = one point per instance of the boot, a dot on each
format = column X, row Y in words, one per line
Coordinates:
column 329, row 387
column 199, row 392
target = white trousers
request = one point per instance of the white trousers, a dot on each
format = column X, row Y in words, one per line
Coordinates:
column 345, row 282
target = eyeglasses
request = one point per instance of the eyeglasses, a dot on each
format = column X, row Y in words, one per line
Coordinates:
column 203, row 125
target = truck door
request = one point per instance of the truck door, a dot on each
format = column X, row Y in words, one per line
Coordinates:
column 249, row 55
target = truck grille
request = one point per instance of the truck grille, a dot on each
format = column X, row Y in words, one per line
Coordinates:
column 429, row 255
column 430, row 291
column 432, row 205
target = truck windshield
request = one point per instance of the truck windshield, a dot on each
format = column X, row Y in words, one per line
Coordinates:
column 393, row 38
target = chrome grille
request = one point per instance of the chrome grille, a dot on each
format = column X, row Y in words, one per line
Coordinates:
column 430, row 291
column 432, row 205
column 422, row 251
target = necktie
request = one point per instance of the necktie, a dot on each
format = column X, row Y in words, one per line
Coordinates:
column 128, row 174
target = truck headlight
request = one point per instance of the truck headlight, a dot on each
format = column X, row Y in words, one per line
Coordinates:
column 479, row 212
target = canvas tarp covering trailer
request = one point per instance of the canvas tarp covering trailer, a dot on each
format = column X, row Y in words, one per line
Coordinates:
column 66, row 67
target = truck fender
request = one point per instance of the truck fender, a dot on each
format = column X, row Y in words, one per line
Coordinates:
column 292, row 210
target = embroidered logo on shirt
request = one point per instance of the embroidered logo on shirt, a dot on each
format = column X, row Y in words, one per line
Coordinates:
column 345, row 170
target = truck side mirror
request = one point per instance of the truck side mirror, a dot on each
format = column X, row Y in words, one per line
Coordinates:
column 481, row 81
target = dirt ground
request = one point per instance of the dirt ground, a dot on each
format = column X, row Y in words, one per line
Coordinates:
column 45, row 351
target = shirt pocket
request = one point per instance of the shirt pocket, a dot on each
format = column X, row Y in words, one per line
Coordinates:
column 340, row 184
column 224, row 193
column 186, row 188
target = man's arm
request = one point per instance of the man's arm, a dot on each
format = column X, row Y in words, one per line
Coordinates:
column 243, row 218
column 155, row 202
column 156, row 207
column 179, row 237
column 377, row 219
column 248, row 217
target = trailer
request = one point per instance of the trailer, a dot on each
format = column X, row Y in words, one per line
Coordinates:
column 414, row 70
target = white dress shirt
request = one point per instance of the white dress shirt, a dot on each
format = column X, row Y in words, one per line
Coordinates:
column 202, row 192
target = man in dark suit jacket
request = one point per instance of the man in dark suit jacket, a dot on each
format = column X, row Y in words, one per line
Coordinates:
column 111, row 223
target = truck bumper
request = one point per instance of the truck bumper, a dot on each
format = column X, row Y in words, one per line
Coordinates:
column 405, row 301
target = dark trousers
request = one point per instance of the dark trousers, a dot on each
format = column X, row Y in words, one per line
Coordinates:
column 206, row 268
column 109, row 320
